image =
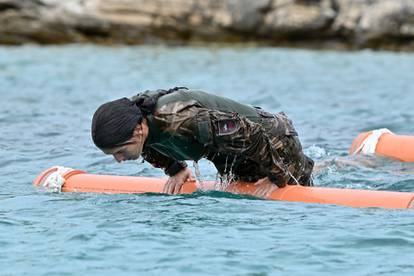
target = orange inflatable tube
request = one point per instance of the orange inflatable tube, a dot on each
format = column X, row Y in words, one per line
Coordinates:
column 79, row 181
column 399, row 147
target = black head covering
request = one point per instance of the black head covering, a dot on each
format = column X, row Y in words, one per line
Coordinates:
column 114, row 123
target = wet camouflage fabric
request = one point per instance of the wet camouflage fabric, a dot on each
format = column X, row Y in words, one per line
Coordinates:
column 241, row 146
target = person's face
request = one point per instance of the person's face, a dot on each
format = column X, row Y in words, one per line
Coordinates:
column 130, row 150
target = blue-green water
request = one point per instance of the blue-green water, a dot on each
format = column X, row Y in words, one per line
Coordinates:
column 48, row 96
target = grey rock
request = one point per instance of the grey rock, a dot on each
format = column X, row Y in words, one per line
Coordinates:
column 299, row 17
column 365, row 20
column 358, row 23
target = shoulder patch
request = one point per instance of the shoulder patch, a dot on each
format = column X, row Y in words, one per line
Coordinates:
column 226, row 127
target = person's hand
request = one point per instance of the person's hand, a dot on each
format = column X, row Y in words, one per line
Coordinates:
column 264, row 187
column 174, row 183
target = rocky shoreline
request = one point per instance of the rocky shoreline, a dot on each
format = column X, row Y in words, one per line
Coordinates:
column 347, row 24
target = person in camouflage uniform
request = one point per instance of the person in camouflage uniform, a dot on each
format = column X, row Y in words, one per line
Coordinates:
column 168, row 127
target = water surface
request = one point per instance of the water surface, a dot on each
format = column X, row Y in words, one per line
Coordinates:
column 50, row 93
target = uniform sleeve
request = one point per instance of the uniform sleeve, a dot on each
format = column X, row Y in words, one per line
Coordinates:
column 264, row 150
column 170, row 166
column 180, row 118
column 230, row 133
column 242, row 136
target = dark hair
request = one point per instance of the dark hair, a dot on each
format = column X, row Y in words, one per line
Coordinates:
column 114, row 123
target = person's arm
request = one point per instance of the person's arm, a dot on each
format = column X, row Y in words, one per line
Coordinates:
column 170, row 166
column 264, row 150
column 184, row 122
column 242, row 136
column 236, row 134
column 176, row 170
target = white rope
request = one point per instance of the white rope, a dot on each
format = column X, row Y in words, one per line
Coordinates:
column 369, row 144
column 55, row 180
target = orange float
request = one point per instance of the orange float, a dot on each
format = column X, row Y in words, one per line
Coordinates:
column 385, row 143
column 79, row 181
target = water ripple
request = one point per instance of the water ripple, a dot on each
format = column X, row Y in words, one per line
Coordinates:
column 48, row 98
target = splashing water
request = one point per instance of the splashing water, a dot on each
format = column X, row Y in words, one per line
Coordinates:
column 223, row 181
column 198, row 175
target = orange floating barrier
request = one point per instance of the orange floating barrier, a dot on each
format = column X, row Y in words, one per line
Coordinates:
column 69, row 180
column 382, row 142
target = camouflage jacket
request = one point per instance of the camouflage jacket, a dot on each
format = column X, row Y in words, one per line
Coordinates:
column 238, row 139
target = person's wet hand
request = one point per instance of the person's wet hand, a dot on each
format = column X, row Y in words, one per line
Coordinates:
column 174, row 183
column 264, row 187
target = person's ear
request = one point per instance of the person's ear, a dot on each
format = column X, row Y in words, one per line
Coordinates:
column 137, row 131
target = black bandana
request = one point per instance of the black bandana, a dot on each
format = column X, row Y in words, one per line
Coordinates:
column 114, row 122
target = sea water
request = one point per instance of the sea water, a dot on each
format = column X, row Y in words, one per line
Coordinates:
column 49, row 94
